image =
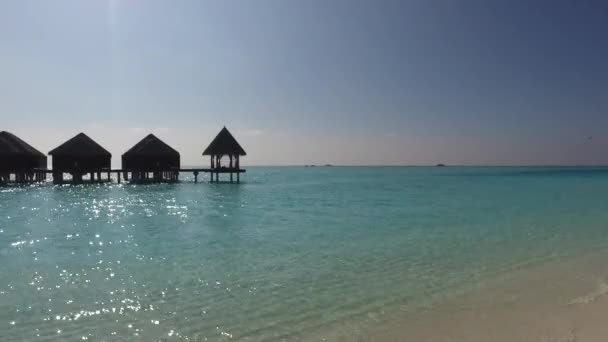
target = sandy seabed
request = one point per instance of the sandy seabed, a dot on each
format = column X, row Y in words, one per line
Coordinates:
column 559, row 301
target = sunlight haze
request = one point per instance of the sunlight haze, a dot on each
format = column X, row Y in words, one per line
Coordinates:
column 313, row 82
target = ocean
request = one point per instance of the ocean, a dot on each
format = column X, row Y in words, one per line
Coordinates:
column 291, row 253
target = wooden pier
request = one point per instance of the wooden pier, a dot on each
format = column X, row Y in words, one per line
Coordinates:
column 127, row 176
column 149, row 161
column 216, row 172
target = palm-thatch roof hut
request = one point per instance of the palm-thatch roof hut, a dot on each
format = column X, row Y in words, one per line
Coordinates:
column 151, row 155
column 78, row 156
column 21, row 159
column 225, row 144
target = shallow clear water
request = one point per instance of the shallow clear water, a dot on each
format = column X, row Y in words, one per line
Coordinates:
column 287, row 254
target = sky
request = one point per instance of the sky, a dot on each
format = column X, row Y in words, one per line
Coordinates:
column 353, row 82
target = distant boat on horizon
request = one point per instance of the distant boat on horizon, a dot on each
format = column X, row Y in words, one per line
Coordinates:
column 440, row 165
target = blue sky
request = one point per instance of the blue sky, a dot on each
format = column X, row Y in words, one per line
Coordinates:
column 317, row 81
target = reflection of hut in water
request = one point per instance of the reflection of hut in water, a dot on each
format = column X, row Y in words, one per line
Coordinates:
column 225, row 144
column 151, row 156
column 20, row 160
column 79, row 156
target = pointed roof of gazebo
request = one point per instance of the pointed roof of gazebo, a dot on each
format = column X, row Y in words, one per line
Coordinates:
column 10, row 144
column 151, row 146
column 223, row 144
column 80, row 146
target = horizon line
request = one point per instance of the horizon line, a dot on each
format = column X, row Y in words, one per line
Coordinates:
column 418, row 165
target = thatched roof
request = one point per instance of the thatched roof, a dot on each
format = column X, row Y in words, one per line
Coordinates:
column 223, row 144
column 151, row 146
column 80, row 146
column 11, row 145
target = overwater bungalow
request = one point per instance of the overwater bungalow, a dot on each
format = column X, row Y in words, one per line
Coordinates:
column 80, row 156
column 20, row 160
column 151, row 159
column 225, row 145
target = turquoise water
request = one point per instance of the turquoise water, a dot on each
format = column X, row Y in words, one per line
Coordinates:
column 287, row 254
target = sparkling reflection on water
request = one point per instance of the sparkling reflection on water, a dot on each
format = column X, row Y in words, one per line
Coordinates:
column 289, row 252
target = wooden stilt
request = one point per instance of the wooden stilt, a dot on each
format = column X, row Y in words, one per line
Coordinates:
column 195, row 176
column 118, row 177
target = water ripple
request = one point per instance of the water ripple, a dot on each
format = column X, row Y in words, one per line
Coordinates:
column 285, row 254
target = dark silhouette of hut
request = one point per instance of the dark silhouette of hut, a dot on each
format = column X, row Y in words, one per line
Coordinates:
column 79, row 156
column 20, row 159
column 225, row 144
column 151, row 155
